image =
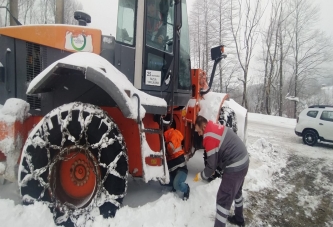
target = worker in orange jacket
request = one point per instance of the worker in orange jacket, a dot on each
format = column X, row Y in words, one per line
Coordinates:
column 176, row 161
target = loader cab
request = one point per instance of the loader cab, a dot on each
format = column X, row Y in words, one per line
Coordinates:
column 156, row 55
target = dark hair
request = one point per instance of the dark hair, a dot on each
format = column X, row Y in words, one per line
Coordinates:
column 151, row 2
column 200, row 121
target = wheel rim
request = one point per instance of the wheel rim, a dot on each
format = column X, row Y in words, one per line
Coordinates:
column 74, row 178
column 309, row 139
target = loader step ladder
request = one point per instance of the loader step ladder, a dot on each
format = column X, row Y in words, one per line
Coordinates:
column 152, row 131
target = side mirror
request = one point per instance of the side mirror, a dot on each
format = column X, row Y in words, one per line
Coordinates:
column 217, row 52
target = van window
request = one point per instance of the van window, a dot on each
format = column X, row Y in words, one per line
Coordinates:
column 327, row 116
column 312, row 114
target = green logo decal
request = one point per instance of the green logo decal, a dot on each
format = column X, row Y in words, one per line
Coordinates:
column 79, row 42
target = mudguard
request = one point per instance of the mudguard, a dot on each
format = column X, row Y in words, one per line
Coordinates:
column 99, row 71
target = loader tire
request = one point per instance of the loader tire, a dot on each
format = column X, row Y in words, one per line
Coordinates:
column 227, row 117
column 75, row 161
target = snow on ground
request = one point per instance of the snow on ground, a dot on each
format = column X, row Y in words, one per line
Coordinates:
column 288, row 184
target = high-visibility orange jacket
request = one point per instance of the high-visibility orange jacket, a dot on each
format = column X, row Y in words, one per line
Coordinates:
column 175, row 153
column 173, row 139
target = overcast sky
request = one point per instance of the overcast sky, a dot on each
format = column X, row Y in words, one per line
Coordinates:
column 104, row 14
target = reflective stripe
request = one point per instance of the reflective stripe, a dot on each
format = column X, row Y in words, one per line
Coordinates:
column 175, row 167
column 213, row 151
column 177, row 149
column 173, row 148
column 203, row 176
column 212, row 134
column 239, row 204
column 239, row 199
column 171, row 145
column 222, row 210
column 240, row 162
column 220, row 218
column 223, row 136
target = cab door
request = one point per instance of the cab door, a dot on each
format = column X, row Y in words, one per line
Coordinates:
column 325, row 128
column 158, row 43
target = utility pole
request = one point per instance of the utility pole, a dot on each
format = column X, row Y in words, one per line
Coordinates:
column 13, row 8
column 59, row 17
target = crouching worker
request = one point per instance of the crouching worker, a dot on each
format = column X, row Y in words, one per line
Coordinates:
column 176, row 161
column 225, row 150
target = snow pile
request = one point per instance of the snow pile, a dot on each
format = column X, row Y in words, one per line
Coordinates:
column 28, row 216
column 210, row 105
column 169, row 209
column 265, row 160
column 14, row 109
column 151, row 204
column 7, row 145
column 272, row 120
column 2, row 168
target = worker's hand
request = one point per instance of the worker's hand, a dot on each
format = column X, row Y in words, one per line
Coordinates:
column 197, row 177
column 160, row 39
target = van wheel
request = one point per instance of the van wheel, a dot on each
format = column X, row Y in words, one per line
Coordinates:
column 75, row 161
column 310, row 137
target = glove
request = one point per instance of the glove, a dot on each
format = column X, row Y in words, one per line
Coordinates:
column 197, row 177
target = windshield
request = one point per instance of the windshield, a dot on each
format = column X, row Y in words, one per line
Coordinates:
column 159, row 24
column 126, row 22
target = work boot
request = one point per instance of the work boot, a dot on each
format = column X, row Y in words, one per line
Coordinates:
column 233, row 220
column 187, row 193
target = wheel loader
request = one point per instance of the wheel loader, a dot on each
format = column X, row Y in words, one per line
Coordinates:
column 80, row 112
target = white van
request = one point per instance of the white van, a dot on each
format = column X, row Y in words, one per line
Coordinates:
column 315, row 124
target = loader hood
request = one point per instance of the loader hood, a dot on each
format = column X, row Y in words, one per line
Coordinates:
column 99, row 71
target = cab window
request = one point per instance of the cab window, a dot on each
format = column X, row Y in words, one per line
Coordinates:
column 159, row 25
column 126, row 22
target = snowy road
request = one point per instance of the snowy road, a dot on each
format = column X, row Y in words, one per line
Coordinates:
column 288, row 184
column 302, row 191
column 280, row 132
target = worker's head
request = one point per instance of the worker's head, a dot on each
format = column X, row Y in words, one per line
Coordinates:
column 200, row 125
column 152, row 7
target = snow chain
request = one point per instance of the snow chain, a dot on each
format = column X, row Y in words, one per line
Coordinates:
column 101, row 194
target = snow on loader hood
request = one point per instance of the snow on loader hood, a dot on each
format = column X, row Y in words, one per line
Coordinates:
column 109, row 79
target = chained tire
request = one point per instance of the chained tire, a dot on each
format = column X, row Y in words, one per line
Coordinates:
column 75, row 161
column 227, row 117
